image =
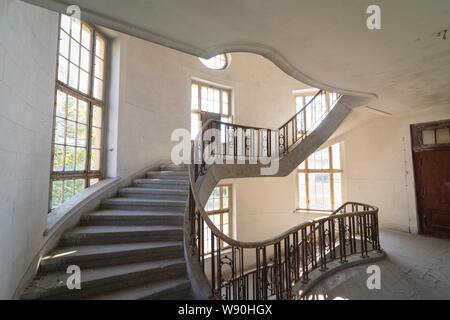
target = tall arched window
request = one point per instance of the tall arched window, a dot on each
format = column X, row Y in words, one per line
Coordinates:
column 78, row 129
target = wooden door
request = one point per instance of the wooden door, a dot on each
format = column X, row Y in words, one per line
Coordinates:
column 431, row 154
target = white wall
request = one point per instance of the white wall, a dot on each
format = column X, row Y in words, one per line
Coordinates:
column 28, row 39
column 155, row 91
column 378, row 166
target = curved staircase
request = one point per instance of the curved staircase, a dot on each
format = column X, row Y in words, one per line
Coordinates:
column 130, row 248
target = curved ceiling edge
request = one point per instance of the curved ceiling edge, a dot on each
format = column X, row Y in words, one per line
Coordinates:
column 265, row 51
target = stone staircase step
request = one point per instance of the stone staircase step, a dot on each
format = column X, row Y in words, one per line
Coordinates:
column 136, row 204
column 174, row 175
column 173, row 167
column 153, row 193
column 108, row 255
column 103, row 280
column 132, row 218
column 162, row 184
column 95, row 235
column 173, row 289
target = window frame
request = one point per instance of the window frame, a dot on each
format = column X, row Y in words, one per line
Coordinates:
column 199, row 110
column 311, row 93
column 331, row 171
column 87, row 174
column 226, row 64
column 222, row 211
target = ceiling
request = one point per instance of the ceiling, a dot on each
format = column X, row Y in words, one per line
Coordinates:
column 324, row 43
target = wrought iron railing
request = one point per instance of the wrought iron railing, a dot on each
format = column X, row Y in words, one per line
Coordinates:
column 222, row 142
column 270, row 269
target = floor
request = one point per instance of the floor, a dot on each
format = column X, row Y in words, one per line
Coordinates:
column 416, row 267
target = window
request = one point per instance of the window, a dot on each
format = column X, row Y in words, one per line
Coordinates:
column 320, row 180
column 218, row 210
column 315, row 111
column 79, row 110
column 218, row 62
column 210, row 99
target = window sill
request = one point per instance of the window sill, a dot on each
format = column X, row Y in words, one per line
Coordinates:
column 301, row 211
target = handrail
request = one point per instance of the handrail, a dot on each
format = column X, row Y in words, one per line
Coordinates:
column 302, row 109
column 294, row 252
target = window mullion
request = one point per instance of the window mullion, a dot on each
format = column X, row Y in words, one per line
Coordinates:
column 330, row 155
column 307, row 183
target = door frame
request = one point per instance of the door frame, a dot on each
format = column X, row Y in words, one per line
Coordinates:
column 417, row 148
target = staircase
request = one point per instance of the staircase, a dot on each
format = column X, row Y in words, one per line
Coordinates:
column 131, row 248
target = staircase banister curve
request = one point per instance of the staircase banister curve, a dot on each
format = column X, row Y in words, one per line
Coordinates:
column 278, row 238
column 295, row 252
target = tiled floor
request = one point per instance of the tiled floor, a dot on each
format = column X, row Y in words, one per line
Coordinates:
column 416, row 267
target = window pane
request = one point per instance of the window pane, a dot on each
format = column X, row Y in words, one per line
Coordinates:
column 319, row 191
column 226, row 229
column 63, row 69
column 216, row 101
column 428, row 137
column 79, row 185
column 302, row 191
column 337, row 190
column 86, row 37
column 81, row 159
column 194, row 97
column 60, row 130
column 225, row 192
column 61, row 104
column 99, row 68
column 98, row 89
column 65, row 23
column 95, row 159
column 73, row 76
column 75, row 53
column 72, row 108
column 216, row 204
column 225, row 203
column 70, row 159
column 195, row 125
column 58, row 158
column 443, row 135
column 68, row 189
column 56, row 194
column 71, row 133
column 81, row 135
column 225, row 102
column 319, row 160
column 76, row 29
column 218, row 62
column 82, row 111
column 100, row 47
column 96, row 138
column 85, row 60
column 84, row 82
column 204, row 91
column 64, row 44
column 97, row 117
column 336, row 156
column 225, row 218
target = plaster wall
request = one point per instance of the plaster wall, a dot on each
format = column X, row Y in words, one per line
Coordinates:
column 28, row 40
